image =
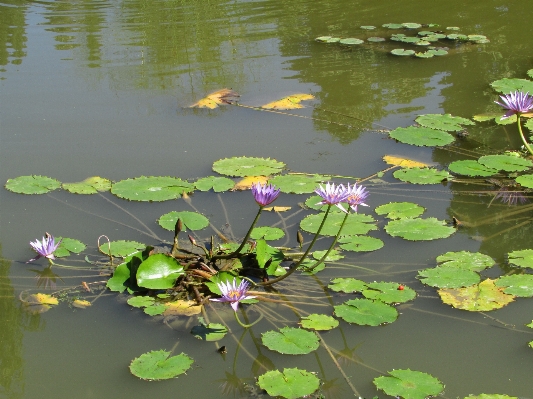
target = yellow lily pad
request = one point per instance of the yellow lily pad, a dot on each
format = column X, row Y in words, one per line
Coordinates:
column 39, row 303
column 289, row 102
column 480, row 297
column 404, row 162
column 213, row 100
column 81, row 304
column 277, row 208
column 182, row 308
column 247, row 182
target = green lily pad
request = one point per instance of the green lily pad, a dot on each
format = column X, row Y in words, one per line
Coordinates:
column 140, row 301
column 217, row 183
column 481, row 297
column 265, row 253
column 522, row 258
column 508, row 163
column 121, row 248
column 448, row 277
column 399, row 210
column 444, row 122
column 438, row 52
column 471, row 167
column 159, row 365
column 357, row 223
column 393, row 26
column 476, row 38
column 418, row 229
column 91, row 185
column 360, row 243
column 159, row 272
column 427, row 54
column 67, row 246
column 333, row 255
column 32, row 184
column 350, row 41
column 473, row 261
column 421, row 136
column 290, row 341
column 407, row 39
column 291, row 384
column 525, row 181
column 409, row 384
column 411, row 25
column 375, row 39
column 297, row 184
column 155, row 309
column 209, row 332
column 516, row 284
column 348, row 285
column 151, row 188
column 507, row 85
column 366, row 312
column 190, row 220
column 323, row 39
column 247, row 166
column 389, row 292
column 319, row 322
column 401, row 51
column 490, row 396
column 266, row 232
column 529, row 124
column 368, row 27
column 453, row 28
column 422, row 175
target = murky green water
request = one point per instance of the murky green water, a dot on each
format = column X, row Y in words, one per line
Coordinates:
column 99, row 88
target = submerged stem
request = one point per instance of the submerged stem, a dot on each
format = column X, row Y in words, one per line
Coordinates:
column 247, row 325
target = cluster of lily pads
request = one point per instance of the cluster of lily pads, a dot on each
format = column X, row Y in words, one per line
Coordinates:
column 420, row 35
column 179, row 278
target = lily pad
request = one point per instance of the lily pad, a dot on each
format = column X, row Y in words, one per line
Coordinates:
column 366, row 312
column 444, row 122
column 470, row 167
column 401, row 51
column 525, row 181
column 508, row 85
column 291, row 384
column 522, row 258
column 409, row 384
column 393, row 26
column 191, row 220
column 516, row 284
column 32, row 184
column 357, row 223
column 422, row 175
column 319, row 322
column 217, row 183
column 141, row 301
column 375, row 39
column 490, row 396
column 290, row 102
column 121, row 248
column 360, row 243
column 427, row 54
column 473, row 261
column 333, row 256
column 91, row 185
column 181, row 308
column 350, row 41
column 67, row 246
column 151, row 188
column 399, row 210
column 297, row 184
column 38, row 303
column 481, row 297
column 448, row 277
column 403, row 162
column 247, row 166
column 219, row 97
column 159, row 271
column 508, row 163
column 421, row 136
column 209, row 332
column 411, row 25
column 290, row 341
column 389, row 292
column 418, row 229
column 159, row 365
column 267, row 233
column 368, row 27
column 323, row 39
column 348, row 285
column 438, row 52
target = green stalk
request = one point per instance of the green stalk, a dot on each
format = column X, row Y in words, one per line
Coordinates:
column 270, row 282
column 247, row 325
column 522, row 135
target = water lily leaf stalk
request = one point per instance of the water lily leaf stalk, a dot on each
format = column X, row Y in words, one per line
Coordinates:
column 522, row 135
column 247, row 325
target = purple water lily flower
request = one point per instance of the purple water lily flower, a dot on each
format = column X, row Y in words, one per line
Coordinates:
column 233, row 293
column 516, row 103
column 333, row 195
column 45, row 248
column 264, row 194
column 357, row 196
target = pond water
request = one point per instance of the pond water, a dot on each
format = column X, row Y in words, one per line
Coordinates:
column 98, row 88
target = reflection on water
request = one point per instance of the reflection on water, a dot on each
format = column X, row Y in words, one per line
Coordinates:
column 98, row 88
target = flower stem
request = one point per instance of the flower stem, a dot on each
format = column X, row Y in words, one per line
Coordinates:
column 522, row 135
column 295, row 267
column 247, row 325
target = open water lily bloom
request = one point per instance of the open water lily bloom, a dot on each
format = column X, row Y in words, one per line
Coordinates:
column 333, row 195
column 234, row 294
column 264, row 194
column 516, row 103
column 357, row 196
column 45, row 248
